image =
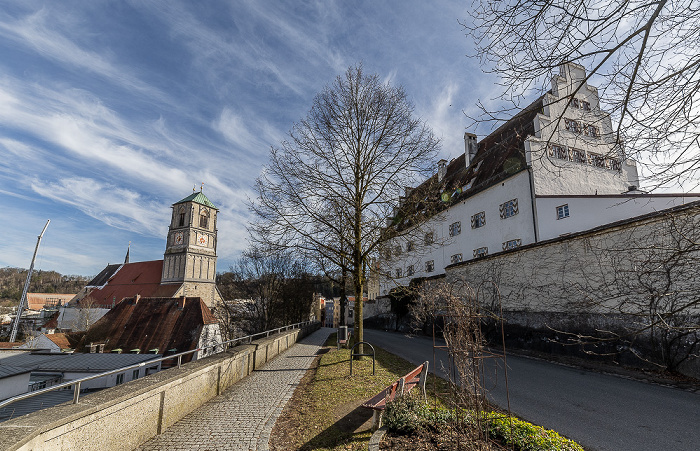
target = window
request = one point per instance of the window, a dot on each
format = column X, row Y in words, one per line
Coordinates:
column 398, row 273
column 429, row 239
column 578, row 156
column 182, row 218
column 508, row 209
column 456, row 258
column 120, row 378
column 410, row 271
column 478, row 220
column 455, row 228
column 597, row 160
column 563, row 211
column 204, row 220
column 409, row 246
column 512, row 244
column 430, row 266
column 591, row 130
column 135, row 375
column 580, row 104
column 572, row 125
column 558, row 152
column 481, row 252
column 614, row 164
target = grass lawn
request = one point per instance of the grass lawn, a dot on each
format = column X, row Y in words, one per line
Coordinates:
column 325, row 412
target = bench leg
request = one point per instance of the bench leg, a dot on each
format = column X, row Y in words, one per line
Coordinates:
column 377, row 419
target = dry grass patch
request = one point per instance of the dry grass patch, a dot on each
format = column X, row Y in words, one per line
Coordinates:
column 325, row 412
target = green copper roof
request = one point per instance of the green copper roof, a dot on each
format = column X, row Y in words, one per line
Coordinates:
column 199, row 198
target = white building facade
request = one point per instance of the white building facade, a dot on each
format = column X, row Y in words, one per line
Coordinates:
column 552, row 170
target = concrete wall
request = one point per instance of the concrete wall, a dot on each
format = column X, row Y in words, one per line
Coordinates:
column 14, row 385
column 141, row 409
column 622, row 279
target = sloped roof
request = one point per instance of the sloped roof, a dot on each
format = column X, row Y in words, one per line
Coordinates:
column 140, row 278
column 76, row 362
column 59, row 340
column 52, row 323
column 9, row 370
column 37, row 301
column 149, row 323
column 199, row 198
column 500, row 155
column 10, row 344
column 104, row 276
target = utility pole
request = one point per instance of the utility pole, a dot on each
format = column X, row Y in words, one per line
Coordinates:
column 23, row 299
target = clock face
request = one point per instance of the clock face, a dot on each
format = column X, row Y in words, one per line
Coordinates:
column 178, row 238
column 202, row 240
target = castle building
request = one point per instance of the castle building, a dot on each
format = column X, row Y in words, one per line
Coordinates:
column 188, row 267
column 553, row 169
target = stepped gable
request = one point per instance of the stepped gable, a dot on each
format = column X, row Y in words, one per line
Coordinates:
column 140, row 278
column 149, row 323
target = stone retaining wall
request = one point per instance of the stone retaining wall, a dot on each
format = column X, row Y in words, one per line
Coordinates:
column 125, row 416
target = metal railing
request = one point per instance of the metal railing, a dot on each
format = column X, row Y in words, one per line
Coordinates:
column 76, row 383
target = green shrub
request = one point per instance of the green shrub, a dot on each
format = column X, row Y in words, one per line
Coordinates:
column 407, row 414
column 526, row 436
column 402, row 415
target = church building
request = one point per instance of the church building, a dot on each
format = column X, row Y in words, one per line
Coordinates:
column 188, row 267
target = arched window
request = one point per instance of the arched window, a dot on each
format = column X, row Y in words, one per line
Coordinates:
column 204, row 219
column 182, row 217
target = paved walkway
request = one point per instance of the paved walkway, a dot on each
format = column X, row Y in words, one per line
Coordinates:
column 242, row 417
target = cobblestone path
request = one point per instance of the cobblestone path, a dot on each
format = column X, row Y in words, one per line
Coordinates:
column 242, row 417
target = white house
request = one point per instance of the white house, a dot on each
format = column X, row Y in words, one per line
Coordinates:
column 551, row 170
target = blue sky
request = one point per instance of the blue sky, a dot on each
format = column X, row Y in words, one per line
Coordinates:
column 112, row 111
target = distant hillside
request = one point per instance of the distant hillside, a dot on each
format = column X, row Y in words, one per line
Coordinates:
column 12, row 282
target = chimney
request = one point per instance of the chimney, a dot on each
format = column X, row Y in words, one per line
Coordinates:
column 442, row 169
column 181, row 302
column 470, row 147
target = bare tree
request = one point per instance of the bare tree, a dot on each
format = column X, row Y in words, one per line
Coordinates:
column 355, row 151
column 264, row 291
column 642, row 55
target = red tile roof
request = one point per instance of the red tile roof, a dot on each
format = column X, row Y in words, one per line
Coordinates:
column 149, row 323
column 52, row 323
column 10, row 344
column 140, row 278
column 59, row 340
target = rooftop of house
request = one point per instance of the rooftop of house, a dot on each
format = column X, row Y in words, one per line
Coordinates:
column 60, row 340
column 140, row 278
column 37, row 301
column 151, row 323
column 91, row 363
column 103, row 277
column 499, row 155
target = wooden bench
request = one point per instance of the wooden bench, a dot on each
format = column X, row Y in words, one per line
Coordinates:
column 403, row 385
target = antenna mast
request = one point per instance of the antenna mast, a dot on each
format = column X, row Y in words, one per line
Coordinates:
column 23, row 299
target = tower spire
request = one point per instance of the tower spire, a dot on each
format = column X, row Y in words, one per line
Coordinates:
column 126, row 259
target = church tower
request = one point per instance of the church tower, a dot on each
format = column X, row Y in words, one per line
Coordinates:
column 190, row 252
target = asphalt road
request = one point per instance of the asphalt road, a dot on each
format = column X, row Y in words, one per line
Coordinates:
column 600, row 412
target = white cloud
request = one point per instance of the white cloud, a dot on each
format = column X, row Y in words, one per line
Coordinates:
column 114, row 206
column 40, row 32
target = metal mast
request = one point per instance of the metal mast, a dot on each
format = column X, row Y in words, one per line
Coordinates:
column 23, row 299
